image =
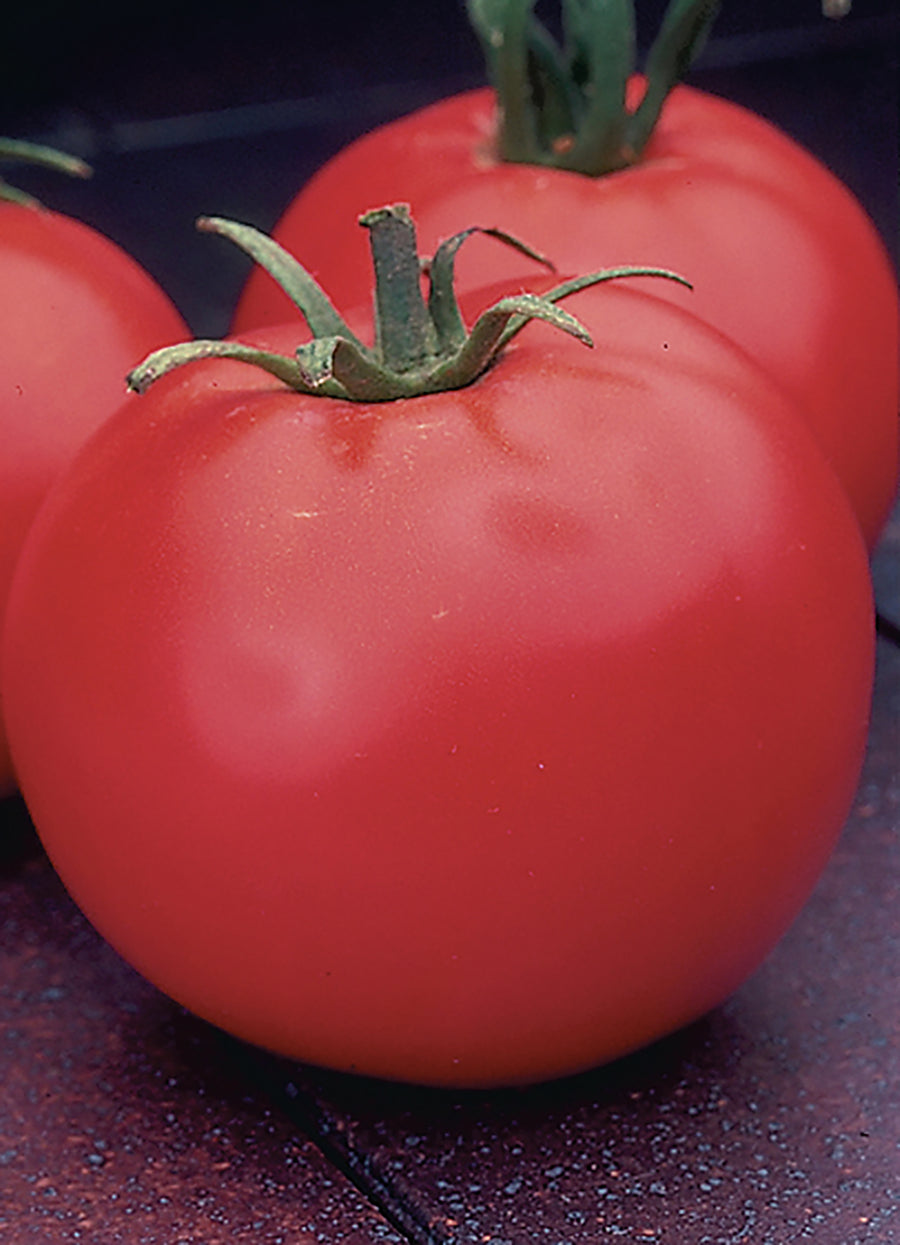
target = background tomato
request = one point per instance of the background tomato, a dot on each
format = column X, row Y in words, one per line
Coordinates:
column 465, row 739
column 76, row 314
column 781, row 256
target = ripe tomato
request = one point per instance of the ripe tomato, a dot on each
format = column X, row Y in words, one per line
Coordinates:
column 466, row 739
column 76, row 314
column 781, row 256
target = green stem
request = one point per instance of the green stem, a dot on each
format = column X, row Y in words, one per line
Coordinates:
column 566, row 107
column 420, row 346
column 404, row 332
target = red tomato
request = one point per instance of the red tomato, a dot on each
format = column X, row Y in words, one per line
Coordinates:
column 467, row 739
column 76, row 314
column 781, row 256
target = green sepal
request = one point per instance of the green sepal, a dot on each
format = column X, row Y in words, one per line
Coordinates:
column 491, row 329
column 303, row 290
column 336, row 361
column 168, row 358
column 336, row 367
column 21, row 152
column 575, row 284
column 681, row 37
column 601, row 61
column 443, row 306
column 503, row 27
column 552, row 83
column 566, row 107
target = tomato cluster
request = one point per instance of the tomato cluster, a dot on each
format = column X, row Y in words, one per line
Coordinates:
column 470, row 692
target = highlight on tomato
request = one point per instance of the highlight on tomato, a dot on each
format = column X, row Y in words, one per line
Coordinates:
column 458, row 705
column 76, row 313
column 597, row 165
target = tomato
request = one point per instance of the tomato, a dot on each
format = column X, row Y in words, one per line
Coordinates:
column 466, row 739
column 781, row 256
column 76, row 313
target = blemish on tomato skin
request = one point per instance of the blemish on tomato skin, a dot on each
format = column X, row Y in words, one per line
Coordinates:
column 538, row 525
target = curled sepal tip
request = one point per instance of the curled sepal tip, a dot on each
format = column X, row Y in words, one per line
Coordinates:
column 18, row 151
column 168, row 358
column 574, row 284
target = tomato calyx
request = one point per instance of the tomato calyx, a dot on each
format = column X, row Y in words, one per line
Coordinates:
column 421, row 346
column 566, row 105
column 13, row 149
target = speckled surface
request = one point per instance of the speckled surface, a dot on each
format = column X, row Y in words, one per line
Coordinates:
column 120, row 1120
column 124, row 1121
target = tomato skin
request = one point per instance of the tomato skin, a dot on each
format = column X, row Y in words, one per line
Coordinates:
column 471, row 739
column 781, row 256
column 76, row 314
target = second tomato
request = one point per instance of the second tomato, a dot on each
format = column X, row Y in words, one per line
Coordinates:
column 781, row 256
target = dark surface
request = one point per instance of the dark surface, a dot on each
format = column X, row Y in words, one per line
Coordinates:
column 123, row 1119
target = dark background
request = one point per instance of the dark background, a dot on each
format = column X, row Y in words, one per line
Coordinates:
column 161, row 57
column 185, row 108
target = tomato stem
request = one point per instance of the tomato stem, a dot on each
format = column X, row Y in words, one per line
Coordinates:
column 566, row 105
column 405, row 337
column 420, row 346
column 12, row 149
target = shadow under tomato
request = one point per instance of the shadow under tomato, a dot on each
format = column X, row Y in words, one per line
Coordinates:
column 18, row 838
